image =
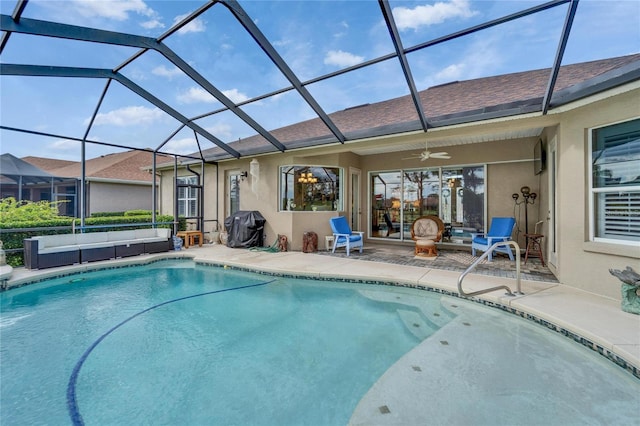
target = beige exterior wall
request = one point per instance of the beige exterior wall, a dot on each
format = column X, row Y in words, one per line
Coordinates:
column 115, row 197
column 509, row 163
column 581, row 263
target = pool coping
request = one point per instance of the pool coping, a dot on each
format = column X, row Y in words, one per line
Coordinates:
column 542, row 303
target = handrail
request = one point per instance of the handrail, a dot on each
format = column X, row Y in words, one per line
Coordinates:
column 485, row 255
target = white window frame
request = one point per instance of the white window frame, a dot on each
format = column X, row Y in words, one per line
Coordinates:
column 191, row 194
column 338, row 204
column 594, row 192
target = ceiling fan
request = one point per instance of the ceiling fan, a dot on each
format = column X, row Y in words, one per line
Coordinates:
column 426, row 154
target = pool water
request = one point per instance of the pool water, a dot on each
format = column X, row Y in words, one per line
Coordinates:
column 286, row 352
column 176, row 343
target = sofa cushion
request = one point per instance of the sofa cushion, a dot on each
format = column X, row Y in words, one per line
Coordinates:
column 92, row 237
column 48, row 241
column 58, row 249
column 121, row 236
column 164, row 233
column 145, row 233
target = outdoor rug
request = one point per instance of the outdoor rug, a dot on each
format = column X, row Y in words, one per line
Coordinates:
column 450, row 260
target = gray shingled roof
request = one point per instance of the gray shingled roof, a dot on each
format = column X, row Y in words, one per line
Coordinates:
column 453, row 103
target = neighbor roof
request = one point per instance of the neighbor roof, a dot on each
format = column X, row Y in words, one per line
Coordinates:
column 125, row 166
column 17, row 170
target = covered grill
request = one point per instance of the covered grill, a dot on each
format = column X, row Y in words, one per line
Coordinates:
column 245, row 229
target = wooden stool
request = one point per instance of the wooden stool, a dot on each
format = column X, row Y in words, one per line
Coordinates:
column 428, row 247
column 534, row 247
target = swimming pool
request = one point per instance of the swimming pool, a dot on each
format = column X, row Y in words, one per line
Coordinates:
column 179, row 343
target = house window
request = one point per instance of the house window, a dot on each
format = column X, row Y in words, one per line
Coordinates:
column 188, row 196
column 615, row 183
column 310, row 188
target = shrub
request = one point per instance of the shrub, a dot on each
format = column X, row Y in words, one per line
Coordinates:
column 138, row 213
column 107, row 214
column 12, row 210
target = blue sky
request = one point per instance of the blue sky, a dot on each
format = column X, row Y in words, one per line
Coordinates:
column 314, row 37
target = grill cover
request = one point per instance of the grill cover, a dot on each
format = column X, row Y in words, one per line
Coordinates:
column 245, row 229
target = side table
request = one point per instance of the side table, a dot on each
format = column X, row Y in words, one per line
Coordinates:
column 190, row 238
column 328, row 242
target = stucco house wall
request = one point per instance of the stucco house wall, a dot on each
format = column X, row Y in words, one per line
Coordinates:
column 581, row 264
column 115, row 197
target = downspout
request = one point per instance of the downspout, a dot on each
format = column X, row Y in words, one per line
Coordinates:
column 201, row 206
column 218, row 197
column 175, row 194
column 154, row 195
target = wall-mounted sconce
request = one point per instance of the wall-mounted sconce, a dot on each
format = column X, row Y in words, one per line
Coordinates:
column 243, row 176
column 528, row 198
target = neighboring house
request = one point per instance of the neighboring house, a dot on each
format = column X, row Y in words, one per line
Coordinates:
column 579, row 158
column 24, row 181
column 114, row 182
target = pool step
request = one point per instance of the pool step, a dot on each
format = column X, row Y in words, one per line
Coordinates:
column 417, row 324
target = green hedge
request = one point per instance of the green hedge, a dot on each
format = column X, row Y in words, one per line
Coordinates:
column 107, row 214
column 14, row 239
column 138, row 213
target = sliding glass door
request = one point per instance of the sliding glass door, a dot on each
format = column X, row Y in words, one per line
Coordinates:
column 399, row 197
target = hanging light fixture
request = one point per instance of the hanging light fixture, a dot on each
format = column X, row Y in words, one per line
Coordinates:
column 307, row 178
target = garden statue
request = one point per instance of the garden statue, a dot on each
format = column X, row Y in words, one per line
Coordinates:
column 630, row 288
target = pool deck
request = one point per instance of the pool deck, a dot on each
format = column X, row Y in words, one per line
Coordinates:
column 597, row 319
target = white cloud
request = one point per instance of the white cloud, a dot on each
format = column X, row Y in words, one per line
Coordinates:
column 344, row 31
column 111, row 9
column 195, row 95
column 198, row 94
column 181, row 146
column 222, row 131
column 342, row 59
column 453, row 72
column 152, row 24
column 129, row 116
column 64, row 145
column 195, row 26
column 431, row 14
column 166, row 72
column 235, row 96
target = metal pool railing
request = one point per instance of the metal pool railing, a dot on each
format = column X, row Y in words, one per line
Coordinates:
column 480, row 259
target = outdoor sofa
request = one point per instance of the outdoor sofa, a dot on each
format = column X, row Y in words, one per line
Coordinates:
column 49, row 251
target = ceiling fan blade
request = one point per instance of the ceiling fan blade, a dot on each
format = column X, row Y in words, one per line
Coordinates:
column 443, row 155
column 413, row 157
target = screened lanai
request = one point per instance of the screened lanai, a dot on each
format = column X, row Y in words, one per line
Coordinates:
column 210, row 81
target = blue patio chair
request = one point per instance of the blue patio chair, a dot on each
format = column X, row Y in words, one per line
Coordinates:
column 343, row 236
column 500, row 230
